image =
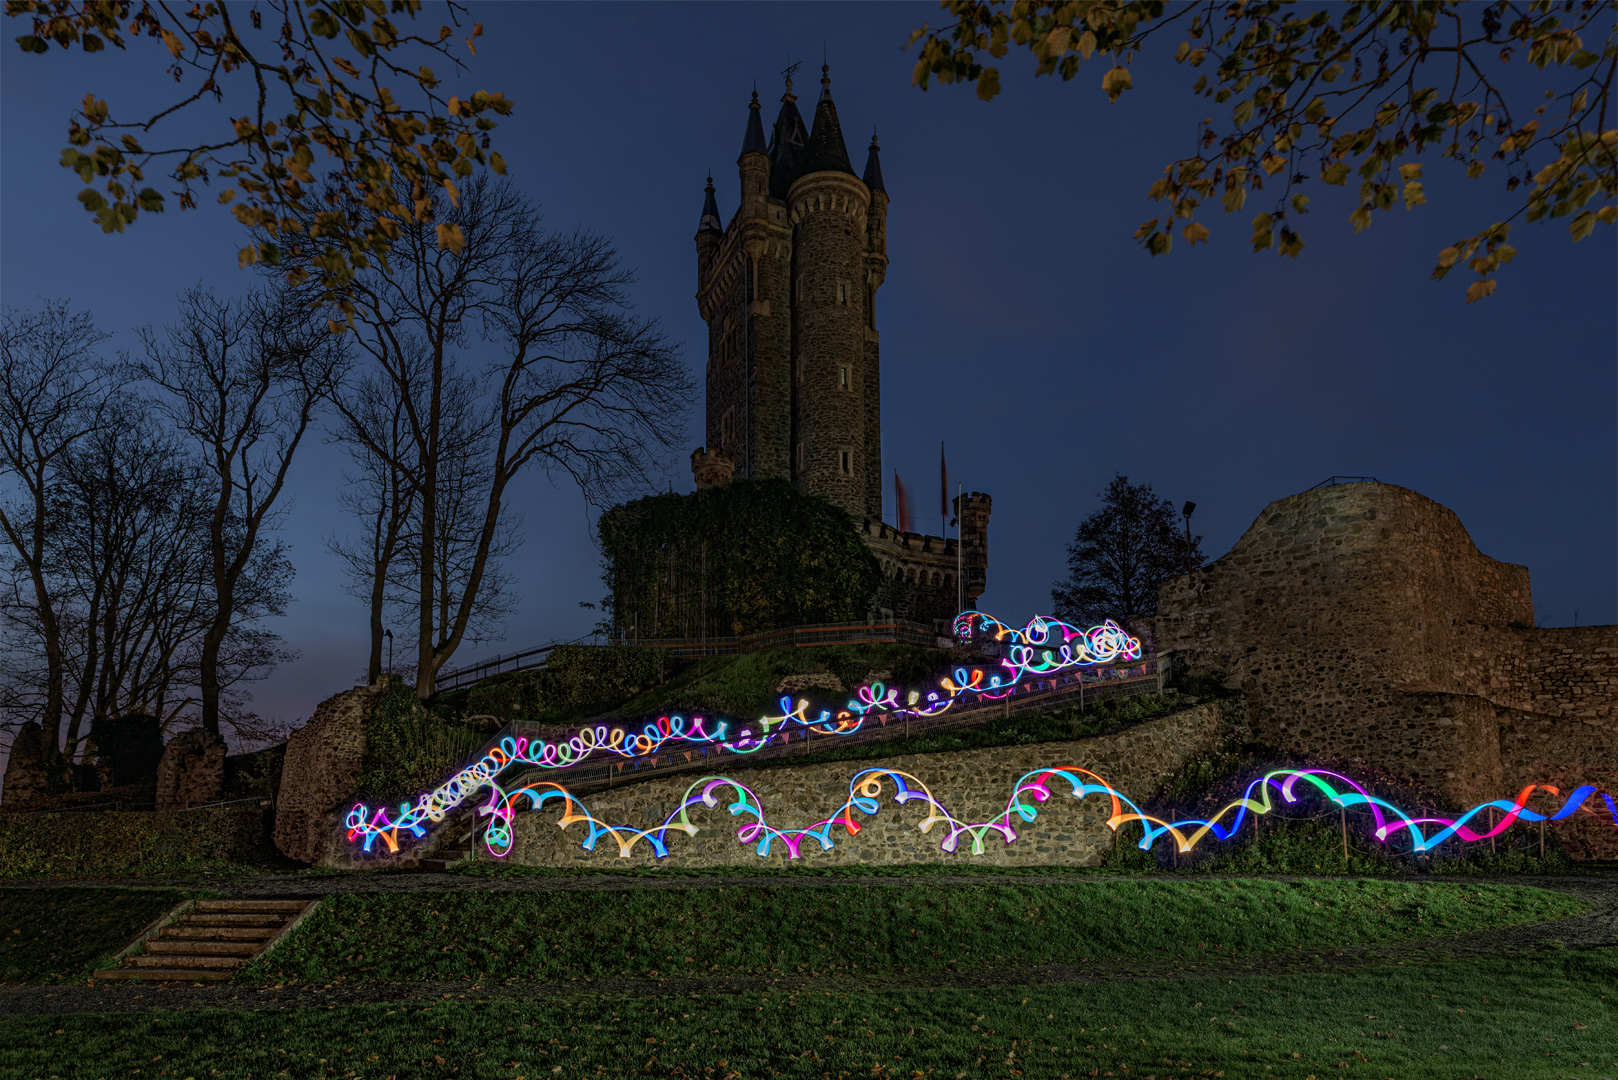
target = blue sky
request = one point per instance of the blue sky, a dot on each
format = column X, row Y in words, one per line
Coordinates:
column 1020, row 323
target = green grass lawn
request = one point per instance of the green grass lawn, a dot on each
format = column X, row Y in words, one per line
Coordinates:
column 47, row 935
column 1501, row 1019
column 855, row 931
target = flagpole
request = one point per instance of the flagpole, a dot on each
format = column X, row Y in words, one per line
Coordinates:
column 960, row 585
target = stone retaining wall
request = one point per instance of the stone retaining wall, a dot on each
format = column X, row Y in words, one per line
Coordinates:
column 974, row 785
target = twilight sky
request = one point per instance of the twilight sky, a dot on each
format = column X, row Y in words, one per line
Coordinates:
column 1020, row 324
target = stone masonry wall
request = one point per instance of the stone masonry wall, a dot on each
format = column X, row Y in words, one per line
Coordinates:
column 974, row 785
column 1359, row 620
column 323, row 763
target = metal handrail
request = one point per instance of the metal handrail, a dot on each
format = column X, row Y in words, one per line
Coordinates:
column 901, row 631
column 1037, row 695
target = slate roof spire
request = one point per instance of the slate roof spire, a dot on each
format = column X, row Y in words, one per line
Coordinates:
column 710, row 213
column 753, row 141
column 873, row 168
column 827, row 153
column 789, row 145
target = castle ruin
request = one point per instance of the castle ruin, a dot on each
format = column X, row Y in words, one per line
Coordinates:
column 1360, row 621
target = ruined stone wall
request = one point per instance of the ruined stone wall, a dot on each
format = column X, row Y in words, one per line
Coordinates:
column 974, row 785
column 323, row 763
column 1359, row 620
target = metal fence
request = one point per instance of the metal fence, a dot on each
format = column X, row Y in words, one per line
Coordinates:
column 496, row 665
column 856, row 633
column 1086, row 686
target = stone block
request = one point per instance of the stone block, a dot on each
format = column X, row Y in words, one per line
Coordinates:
column 192, row 771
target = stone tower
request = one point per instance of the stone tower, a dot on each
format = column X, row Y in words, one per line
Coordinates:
column 788, row 290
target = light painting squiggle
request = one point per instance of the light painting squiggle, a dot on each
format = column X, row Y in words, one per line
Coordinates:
column 866, row 788
column 1033, row 652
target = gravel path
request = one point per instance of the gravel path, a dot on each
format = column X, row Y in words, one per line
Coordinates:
column 1594, row 929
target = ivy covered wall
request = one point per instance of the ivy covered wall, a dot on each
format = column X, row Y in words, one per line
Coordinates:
column 740, row 558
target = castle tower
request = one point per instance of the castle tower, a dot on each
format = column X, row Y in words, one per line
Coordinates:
column 788, row 291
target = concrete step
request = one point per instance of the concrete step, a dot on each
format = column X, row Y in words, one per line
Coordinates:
column 165, row 974
column 251, row 906
column 212, row 963
column 202, row 948
column 218, row 933
column 274, row 918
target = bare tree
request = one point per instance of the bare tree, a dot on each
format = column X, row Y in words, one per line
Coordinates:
column 577, row 386
column 50, row 387
column 242, row 380
column 380, row 493
column 128, row 566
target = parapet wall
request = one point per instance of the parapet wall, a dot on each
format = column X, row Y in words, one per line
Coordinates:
column 974, row 785
column 1360, row 621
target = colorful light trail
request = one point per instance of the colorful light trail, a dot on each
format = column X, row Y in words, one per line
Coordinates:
column 1032, row 789
column 1032, row 654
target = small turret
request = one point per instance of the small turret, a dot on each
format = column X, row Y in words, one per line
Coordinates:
column 873, row 167
column 972, row 511
column 754, row 164
column 709, row 233
column 753, row 141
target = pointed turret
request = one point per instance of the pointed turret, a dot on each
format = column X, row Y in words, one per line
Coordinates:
column 789, row 146
column 873, row 168
column 753, row 141
column 827, row 153
column 710, row 213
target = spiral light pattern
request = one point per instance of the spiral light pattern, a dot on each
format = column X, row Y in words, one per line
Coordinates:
column 1034, row 788
column 1032, row 654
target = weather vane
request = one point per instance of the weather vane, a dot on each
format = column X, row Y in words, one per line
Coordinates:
column 791, row 69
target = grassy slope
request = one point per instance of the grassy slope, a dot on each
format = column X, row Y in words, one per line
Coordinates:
column 861, row 931
column 1494, row 1018
column 747, row 685
column 48, row 935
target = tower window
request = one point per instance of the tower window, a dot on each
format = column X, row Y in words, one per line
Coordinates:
column 842, row 377
column 842, row 293
column 847, row 465
column 800, row 457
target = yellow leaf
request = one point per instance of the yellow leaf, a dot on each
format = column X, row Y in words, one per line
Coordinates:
column 451, row 238
column 1480, row 289
column 1195, row 233
column 1116, row 81
column 1087, row 44
column 1413, row 195
column 1273, row 164
column 1409, row 172
column 172, row 42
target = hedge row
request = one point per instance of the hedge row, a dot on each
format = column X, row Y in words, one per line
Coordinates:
column 75, row 844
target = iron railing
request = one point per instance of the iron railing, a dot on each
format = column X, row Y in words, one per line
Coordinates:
column 1088, row 685
column 852, row 633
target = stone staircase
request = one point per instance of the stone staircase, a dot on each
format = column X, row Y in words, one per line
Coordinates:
column 452, row 851
column 207, row 940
